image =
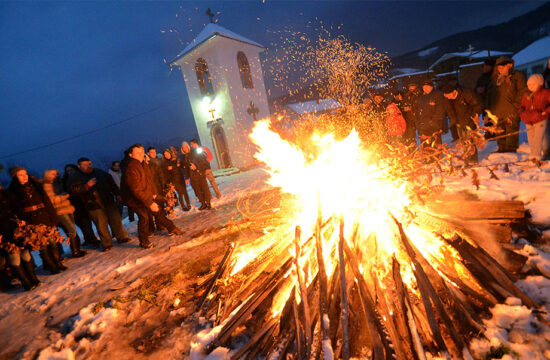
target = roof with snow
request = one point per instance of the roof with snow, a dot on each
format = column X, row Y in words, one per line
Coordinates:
column 536, row 51
column 313, row 106
column 425, row 72
column 210, row 31
column 478, row 54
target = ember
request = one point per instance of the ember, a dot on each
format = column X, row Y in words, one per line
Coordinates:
column 380, row 272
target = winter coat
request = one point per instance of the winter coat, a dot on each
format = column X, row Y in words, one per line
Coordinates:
column 61, row 203
column 198, row 158
column 99, row 196
column 31, row 204
column 533, row 105
column 504, row 94
column 461, row 110
column 117, row 175
column 8, row 218
column 209, row 155
column 395, row 123
column 430, row 112
column 155, row 165
column 546, row 76
column 137, row 187
column 171, row 171
column 482, row 84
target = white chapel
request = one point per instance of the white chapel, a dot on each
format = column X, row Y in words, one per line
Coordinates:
column 225, row 85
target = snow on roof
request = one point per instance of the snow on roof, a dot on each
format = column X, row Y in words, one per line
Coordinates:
column 478, row 54
column 471, row 64
column 401, row 71
column 427, row 52
column 308, row 107
column 209, row 32
column 537, row 50
column 447, row 73
column 411, row 74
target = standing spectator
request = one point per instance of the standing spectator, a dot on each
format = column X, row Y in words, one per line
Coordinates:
column 464, row 108
column 208, row 172
column 172, row 174
column 408, row 109
column 138, row 191
column 504, row 96
column 485, row 79
column 195, row 164
column 20, row 262
column 546, row 75
column 81, row 217
column 395, row 123
column 115, row 172
column 155, row 165
column 64, row 209
column 534, row 111
column 98, row 190
column 430, row 112
column 32, row 205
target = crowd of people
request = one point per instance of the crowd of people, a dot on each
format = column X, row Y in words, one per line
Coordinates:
column 501, row 91
column 85, row 195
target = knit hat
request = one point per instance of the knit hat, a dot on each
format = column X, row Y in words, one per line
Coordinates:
column 449, row 88
column 15, row 169
column 428, row 82
column 536, row 79
column 503, row 60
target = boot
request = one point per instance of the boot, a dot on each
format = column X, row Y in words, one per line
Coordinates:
column 48, row 261
column 29, row 268
column 75, row 248
column 56, row 257
column 5, row 280
column 203, row 206
column 22, row 275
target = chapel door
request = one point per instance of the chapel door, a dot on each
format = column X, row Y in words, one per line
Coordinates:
column 222, row 150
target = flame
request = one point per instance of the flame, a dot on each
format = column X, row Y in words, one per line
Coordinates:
column 492, row 117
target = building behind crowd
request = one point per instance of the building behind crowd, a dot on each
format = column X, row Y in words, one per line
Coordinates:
column 534, row 58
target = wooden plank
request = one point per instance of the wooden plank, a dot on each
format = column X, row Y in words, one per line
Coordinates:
column 479, row 209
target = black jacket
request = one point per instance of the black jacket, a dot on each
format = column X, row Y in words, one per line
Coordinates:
column 155, row 165
column 429, row 112
column 100, row 195
column 171, row 171
column 463, row 108
column 198, row 158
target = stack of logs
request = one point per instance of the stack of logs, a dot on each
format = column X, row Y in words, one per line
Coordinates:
column 351, row 313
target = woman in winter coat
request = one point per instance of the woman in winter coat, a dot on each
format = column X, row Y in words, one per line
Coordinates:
column 64, row 209
column 534, row 112
column 395, row 123
column 171, row 168
column 32, row 205
column 20, row 259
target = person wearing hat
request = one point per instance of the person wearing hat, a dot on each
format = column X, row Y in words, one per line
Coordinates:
column 534, row 112
column 504, row 95
column 32, row 205
column 463, row 107
column 408, row 108
column 171, row 168
column 430, row 112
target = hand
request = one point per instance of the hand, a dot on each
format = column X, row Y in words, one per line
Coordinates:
column 186, row 181
column 154, row 207
column 193, row 167
column 432, row 103
column 154, row 196
column 170, row 167
column 91, row 182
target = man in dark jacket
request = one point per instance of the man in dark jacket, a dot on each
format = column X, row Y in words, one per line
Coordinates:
column 430, row 112
column 463, row 107
column 155, row 165
column 139, row 193
column 408, row 107
column 171, row 168
column 504, row 95
column 195, row 165
column 98, row 190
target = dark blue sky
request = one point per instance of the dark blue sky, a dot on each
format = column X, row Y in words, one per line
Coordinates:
column 70, row 68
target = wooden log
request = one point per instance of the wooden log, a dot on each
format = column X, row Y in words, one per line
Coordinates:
column 428, row 294
column 217, row 275
column 479, row 209
column 255, row 339
column 343, row 293
column 404, row 313
column 381, row 349
column 323, row 282
column 298, row 327
column 303, row 290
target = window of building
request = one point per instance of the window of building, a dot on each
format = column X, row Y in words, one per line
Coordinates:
column 244, row 70
column 203, row 77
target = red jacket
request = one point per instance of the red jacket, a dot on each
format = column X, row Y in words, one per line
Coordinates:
column 395, row 122
column 209, row 156
column 533, row 105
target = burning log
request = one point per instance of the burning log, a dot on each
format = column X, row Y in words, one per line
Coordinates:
column 218, row 274
column 303, row 291
column 344, row 293
column 475, row 210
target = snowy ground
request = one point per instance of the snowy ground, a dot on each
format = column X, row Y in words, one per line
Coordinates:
column 132, row 303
